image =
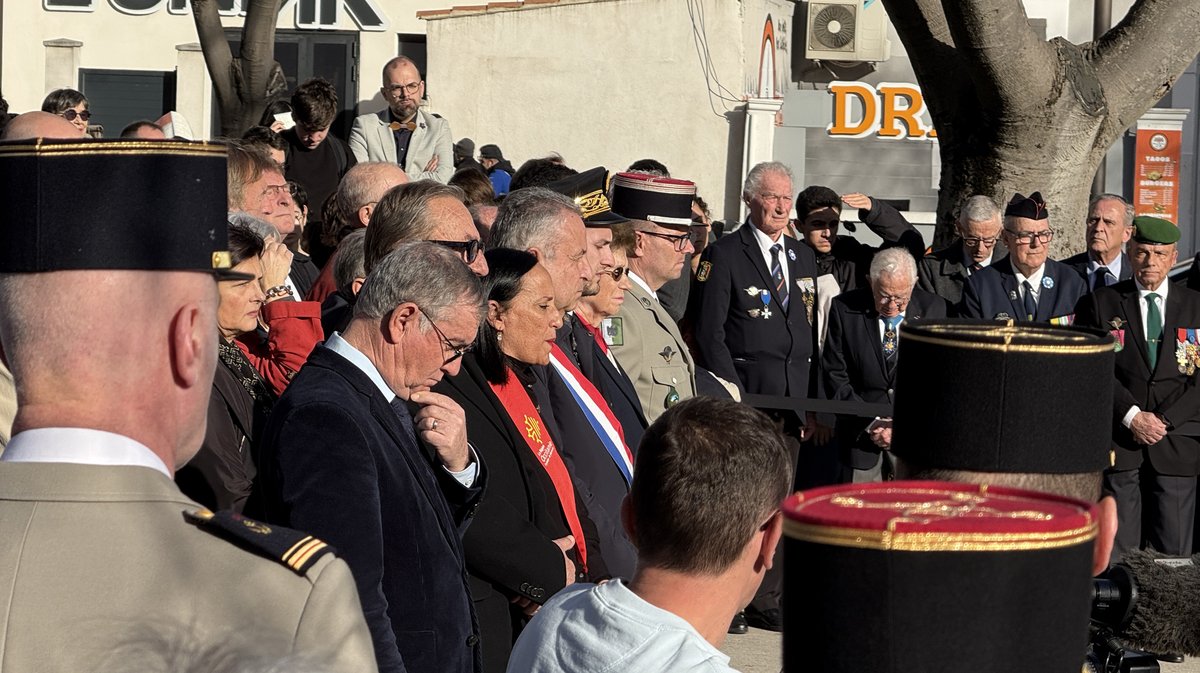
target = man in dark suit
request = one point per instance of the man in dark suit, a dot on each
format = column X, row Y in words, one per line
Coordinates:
column 344, row 457
column 1155, row 401
column 752, row 310
column 1109, row 226
column 1025, row 285
column 944, row 272
column 858, row 362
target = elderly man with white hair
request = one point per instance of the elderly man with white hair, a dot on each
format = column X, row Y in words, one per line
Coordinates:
column 859, row 359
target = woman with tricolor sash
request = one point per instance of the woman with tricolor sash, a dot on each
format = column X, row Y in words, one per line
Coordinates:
column 531, row 535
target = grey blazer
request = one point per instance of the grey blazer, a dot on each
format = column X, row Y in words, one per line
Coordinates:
column 372, row 140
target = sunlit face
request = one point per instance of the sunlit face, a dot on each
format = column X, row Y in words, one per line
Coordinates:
column 568, row 263
column 269, row 198
column 78, row 116
column 530, row 320
column 1151, row 263
column 979, row 238
column 819, row 229
column 241, row 300
column 611, row 294
column 599, row 256
column 1107, row 231
column 771, row 206
column 1028, row 242
column 427, row 356
column 403, row 90
column 661, row 252
column 892, row 293
column 454, row 224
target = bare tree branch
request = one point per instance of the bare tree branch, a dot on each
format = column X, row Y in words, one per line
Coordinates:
column 217, row 55
column 1140, row 58
column 258, row 43
column 996, row 40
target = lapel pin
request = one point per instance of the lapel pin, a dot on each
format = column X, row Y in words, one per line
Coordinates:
column 1047, row 282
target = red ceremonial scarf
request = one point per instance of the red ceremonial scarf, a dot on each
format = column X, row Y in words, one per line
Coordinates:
column 528, row 422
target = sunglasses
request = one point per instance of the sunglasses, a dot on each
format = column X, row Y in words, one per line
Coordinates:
column 468, row 249
column 616, row 273
column 70, row 115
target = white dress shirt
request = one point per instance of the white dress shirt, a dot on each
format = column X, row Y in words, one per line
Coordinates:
column 1114, row 270
column 1162, row 290
column 641, row 283
column 81, row 446
column 765, row 243
column 1035, row 281
column 355, row 357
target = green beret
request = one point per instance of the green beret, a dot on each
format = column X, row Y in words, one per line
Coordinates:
column 1154, row 230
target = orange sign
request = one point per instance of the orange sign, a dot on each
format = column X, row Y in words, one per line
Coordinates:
column 887, row 110
column 1156, row 173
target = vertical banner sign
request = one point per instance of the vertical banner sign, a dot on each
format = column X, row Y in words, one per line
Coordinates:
column 1156, row 179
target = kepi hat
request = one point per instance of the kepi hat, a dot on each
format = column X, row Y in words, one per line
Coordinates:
column 589, row 190
column 663, row 201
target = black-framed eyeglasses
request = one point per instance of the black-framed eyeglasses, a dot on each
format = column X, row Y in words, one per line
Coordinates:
column 468, row 249
column 617, row 272
column 457, row 351
column 71, row 114
column 976, row 241
column 680, row 241
column 1026, row 237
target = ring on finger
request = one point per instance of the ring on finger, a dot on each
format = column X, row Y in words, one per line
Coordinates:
column 433, row 425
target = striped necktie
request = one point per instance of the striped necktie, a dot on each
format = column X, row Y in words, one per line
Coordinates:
column 781, row 289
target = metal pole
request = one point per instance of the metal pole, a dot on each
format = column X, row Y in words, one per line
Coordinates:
column 1101, row 20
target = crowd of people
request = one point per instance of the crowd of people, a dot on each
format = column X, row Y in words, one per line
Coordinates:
column 488, row 388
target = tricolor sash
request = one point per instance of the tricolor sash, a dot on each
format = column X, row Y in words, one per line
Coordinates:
column 525, row 416
column 595, row 408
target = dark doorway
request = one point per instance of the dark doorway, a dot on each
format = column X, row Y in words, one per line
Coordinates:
column 118, row 97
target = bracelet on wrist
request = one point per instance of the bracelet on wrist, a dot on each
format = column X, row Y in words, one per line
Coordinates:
column 278, row 292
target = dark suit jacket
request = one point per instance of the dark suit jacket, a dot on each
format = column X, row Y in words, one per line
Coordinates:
column 610, row 380
column 598, row 480
column 769, row 356
column 1080, row 264
column 304, row 273
column 854, row 368
column 944, row 272
column 222, row 471
column 509, row 546
column 1166, row 391
column 339, row 463
column 992, row 293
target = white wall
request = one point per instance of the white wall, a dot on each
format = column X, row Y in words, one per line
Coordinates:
column 604, row 82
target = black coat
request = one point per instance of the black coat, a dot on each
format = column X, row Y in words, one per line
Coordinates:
column 338, row 463
column 509, row 546
column 612, row 382
column 853, row 365
column 303, row 273
column 768, row 356
column 1167, row 391
column 944, row 272
column 849, row 259
column 992, row 293
column 221, row 473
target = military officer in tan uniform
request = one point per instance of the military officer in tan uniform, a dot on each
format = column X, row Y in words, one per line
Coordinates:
column 643, row 336
column 109, row 300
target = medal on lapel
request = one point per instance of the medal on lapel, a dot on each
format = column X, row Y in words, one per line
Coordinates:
column 672, row 395
column 808, row 294
column 1187, row 350
column 765, row 295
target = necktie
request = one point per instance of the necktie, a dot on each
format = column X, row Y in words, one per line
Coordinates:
column 401, row 408
column 975, row 267
column 1030, row 301
column 777, row 275
column 1153, row 328
column 1100, row 278
column 889, row 336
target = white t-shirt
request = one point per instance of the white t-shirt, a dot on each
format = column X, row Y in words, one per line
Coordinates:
column 608, row 628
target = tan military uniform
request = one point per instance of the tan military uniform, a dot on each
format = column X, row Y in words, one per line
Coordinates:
column 8, row 405
column 651, row 350
column 96, row 558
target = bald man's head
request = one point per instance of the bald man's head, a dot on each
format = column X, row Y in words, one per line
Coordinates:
column 39, row 125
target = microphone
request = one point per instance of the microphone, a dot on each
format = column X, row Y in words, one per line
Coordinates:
column 1151, row 602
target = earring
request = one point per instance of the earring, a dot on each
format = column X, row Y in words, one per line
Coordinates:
column 499, row 337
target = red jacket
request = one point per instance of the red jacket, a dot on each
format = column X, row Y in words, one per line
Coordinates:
column 294, row 329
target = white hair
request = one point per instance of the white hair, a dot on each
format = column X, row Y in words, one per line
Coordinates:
column 978, row 208
column 894, row 262
column 754, row 178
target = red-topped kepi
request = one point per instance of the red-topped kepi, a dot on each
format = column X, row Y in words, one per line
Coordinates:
column 663, row 201
column 936, row 577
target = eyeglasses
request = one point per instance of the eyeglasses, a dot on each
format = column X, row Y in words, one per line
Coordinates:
column 976, row 241
column 1026, row 237
column 70, row 115
column 276, row 190
column 447, row 345
column 616, row 272
column 891, row 299
column 468, row 249
column 410, row 88
column 680, row 241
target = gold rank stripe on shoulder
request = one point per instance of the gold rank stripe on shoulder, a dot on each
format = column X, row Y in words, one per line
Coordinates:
column 302, row 551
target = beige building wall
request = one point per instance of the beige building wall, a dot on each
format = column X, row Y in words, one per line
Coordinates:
column 608, row 82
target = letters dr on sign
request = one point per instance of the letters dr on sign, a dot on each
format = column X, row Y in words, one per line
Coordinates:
column 888, row 110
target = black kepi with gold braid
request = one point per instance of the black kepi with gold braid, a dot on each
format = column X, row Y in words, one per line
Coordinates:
column 935, row 577
column 119, row 204
column 1013, row 397
column 589, row 190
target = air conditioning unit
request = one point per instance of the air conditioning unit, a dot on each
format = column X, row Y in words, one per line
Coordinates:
column 845, row 30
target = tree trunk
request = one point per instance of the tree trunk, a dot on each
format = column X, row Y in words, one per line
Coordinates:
column 1017, row 114
column 246, row 84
